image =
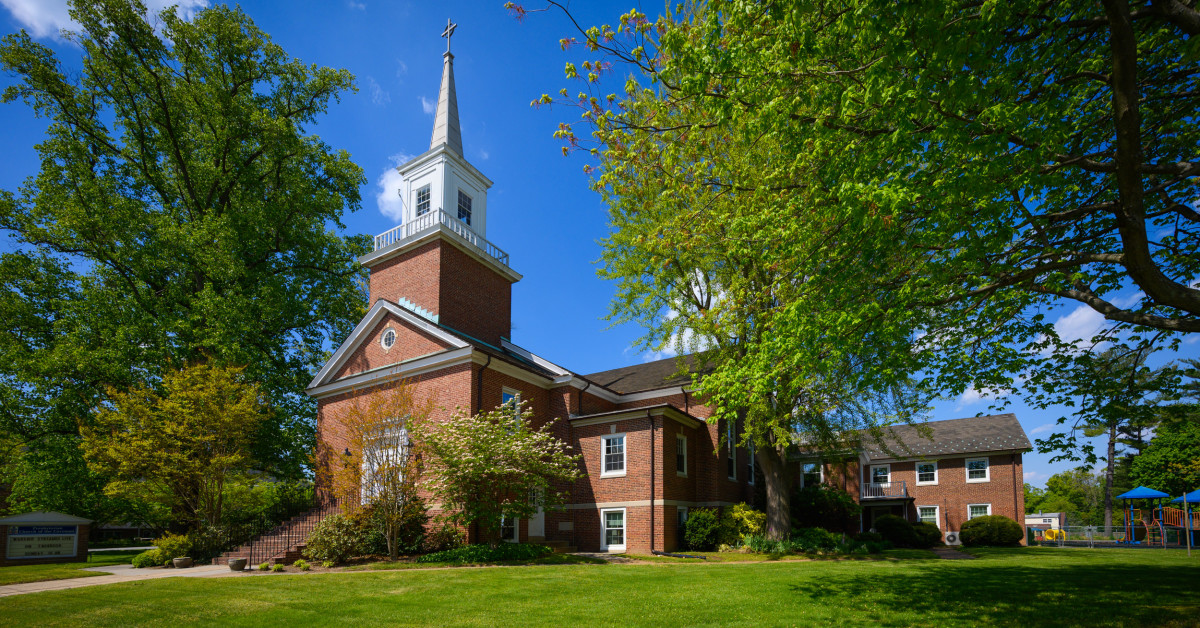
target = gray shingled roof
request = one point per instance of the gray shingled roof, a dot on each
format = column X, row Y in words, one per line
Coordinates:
column 648, row 376
column 997, row 432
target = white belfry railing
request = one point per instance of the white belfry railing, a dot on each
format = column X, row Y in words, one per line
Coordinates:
column 453, row 224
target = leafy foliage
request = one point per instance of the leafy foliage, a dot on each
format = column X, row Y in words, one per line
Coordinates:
column 173, row 546
column 896, row 530
column 494, row 465
column 182, row 214
column 337, row 538
column 991, row 530
column 826, row 507
column 442, row 536
column 926, row 535
column 181, row 445
column 702, row 530
column 149, row 558
column 740, row 521
column 477, row 554
column 1171, row 462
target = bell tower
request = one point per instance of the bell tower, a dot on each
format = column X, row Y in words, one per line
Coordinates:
column 438, row 261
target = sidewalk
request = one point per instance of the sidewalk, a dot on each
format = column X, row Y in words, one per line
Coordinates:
column 117, row 573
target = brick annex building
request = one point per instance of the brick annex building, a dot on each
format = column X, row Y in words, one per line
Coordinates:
column 439, row 317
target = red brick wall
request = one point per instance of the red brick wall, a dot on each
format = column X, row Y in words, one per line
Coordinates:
column 465, row 294
column 370, row 354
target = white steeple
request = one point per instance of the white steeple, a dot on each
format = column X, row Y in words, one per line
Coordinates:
column 445, row 122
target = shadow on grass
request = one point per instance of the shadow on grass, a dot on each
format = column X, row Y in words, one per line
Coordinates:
column 979, row 592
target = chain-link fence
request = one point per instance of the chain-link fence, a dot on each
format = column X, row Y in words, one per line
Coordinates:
column 1136, row 535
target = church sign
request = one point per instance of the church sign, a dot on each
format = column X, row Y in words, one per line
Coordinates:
column 43, row 537
column 42, row 541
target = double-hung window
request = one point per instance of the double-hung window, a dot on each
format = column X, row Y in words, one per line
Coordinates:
column 423, row 201
column 881, row 474
column 810, row 474
column 508, row 529
column 681, row 461
column 464, row 207
column 977, row 470
column 511, row 400
column 927, row 473
column 978, row 510
column 612, row 529
column 928, row 514
column 613, row 455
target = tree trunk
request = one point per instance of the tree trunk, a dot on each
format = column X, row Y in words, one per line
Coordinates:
column 773, row 464
column 1108, row 478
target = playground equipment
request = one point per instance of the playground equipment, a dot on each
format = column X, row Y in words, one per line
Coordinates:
column 1151, row 525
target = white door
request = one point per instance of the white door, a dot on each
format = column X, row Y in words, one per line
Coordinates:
column 537, row 525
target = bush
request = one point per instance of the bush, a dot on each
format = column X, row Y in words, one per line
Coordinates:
column 473, row 554
column 277, row 567
column 740, row 521
column 302, row 565
column 870, row 537
column 926, row 535
column 442, row 538
column 896, row 530
column 409, row 535
column 824, row 507
column 991, row 530
column 264, row 566
column 702, row 530
column 328, row 564
column 173, row 546
column 336, row 538
column 148, row 558
column 814, row 539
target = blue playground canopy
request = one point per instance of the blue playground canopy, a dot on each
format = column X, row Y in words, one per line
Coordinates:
column 1142, row 492
column 1192, row 498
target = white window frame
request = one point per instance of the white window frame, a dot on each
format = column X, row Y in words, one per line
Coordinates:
column 604, row 530
column 820, row 473
column 988, row 506
column 624, row 455
column 987, row 470
column 681, row 440
column 470, row 206
column 871, row 473
column 367, row 488
column 731, row 462
column 750, row 466
column 428, row 201
column 681, row 515
column 937, row 515
column 932, row 482
column 383, row 339
column 516, row 538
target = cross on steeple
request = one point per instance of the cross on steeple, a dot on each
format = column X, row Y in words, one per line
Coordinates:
column 449, row 32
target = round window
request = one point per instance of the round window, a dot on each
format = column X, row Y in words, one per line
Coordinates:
column 389, row 339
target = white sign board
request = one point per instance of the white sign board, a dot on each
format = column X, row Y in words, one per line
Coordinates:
column 42, row 541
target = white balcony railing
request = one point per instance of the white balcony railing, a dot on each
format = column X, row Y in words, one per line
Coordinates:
column 876, row 490
column 430, row 221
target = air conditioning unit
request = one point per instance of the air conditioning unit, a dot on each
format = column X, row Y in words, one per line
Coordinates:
column 952, row 538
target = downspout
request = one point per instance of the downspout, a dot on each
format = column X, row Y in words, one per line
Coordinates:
column 1016, row 513
column 686, row 401
column 571, row 439
column 651, row 481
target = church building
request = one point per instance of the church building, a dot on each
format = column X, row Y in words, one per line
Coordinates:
column 440, row 319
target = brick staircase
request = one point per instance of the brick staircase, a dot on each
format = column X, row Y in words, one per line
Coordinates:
column 559, row 547
column 283, row 543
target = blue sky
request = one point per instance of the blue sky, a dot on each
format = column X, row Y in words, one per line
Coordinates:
column 540, row 209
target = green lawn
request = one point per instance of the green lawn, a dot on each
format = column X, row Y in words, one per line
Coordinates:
column 1035, row 586
column 62, row 571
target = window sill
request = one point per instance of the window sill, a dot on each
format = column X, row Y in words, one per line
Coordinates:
column 613, row 475
column 613, row 549
column 969, row 481
column 927, row 483
column 682, row 475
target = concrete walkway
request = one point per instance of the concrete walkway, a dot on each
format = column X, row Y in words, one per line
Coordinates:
column 949, row 553
column 116, row 574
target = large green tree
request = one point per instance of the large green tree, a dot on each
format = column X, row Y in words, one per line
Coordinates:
column 920, row 206
column 183, row 212
column 1171, row 462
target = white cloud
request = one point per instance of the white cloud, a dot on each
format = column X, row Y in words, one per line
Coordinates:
column 428, row 106
column 378, row 95
column 1045, row 427
column 1031, row 475
column 973, row 396
column 483, row 154
column 388, row 197
column 401, row 68
column 1080, row 326
column 45, row 18
column 361, row 6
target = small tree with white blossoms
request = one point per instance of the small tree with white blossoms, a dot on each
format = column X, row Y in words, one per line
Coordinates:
column 494, row 465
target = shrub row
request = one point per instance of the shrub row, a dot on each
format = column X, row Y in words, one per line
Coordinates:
column 339, row 538
column 473, row 554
